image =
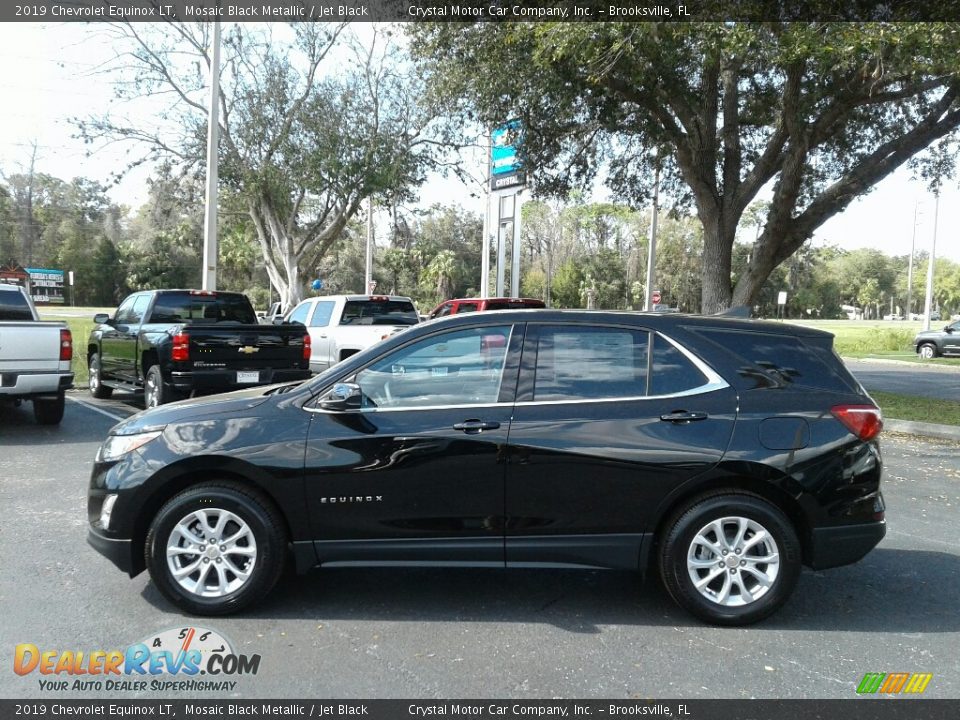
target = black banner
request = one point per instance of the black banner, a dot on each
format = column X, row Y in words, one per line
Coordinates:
column 855, row 709
column 476, row 10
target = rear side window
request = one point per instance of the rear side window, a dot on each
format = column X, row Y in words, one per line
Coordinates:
column 784, row 358
column 188, row 307
column 585, row 363
column 14, row 306
column 673, row 372
column 321, row 316
column 379, row 312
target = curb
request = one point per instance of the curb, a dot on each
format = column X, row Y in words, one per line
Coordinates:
column 944, row 432
column 921, row 367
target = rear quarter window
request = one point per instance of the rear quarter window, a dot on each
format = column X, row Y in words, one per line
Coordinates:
column 14, row 306
column 786, row 359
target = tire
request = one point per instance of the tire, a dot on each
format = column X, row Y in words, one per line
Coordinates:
column 49, row 412
column 735, row 595
column 232, row 580
column 95, row 382
column 927, row 351
column 155, row 391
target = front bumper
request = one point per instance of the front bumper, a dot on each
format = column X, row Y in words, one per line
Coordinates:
column 844, row 544
column 119, row 551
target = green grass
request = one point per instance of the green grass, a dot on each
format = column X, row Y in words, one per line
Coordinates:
column 917, row 409
column 80, row 329
column 876, row 339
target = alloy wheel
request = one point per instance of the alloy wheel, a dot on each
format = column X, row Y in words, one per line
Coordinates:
column 211, row 553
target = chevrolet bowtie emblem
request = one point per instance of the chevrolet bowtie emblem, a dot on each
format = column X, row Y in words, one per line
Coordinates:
column 248, row 349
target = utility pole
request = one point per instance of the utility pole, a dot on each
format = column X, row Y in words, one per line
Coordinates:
column 652, row 250
column 368, row 273
column 213, row 143
column 913, row 243
column 927, row 306
column 485, row 243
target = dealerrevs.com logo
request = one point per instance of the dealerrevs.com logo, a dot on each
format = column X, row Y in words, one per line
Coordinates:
column 172, row 661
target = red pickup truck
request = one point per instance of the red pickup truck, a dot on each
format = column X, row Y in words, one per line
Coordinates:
column 462, row 305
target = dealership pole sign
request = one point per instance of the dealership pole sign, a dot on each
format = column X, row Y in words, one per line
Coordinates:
column 507, row 180
column 506, row 165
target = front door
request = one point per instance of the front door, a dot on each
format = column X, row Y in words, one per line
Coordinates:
column 608, row 421
column 417, row 474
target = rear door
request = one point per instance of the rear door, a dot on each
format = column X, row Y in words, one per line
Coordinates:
column 608, row 420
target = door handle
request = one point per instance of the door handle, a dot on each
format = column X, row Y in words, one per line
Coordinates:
column 682, row 416
column 472, row 427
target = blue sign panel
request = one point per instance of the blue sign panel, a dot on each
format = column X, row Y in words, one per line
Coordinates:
column 504, row 155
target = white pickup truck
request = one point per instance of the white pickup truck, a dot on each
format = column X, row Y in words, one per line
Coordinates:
column 342, row 325
column 34, row 356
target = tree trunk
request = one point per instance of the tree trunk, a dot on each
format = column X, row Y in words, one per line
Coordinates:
column 715, row 273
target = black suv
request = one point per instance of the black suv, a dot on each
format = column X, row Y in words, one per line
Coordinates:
column 722, row 453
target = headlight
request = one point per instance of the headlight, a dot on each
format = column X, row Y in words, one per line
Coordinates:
column 116, row 446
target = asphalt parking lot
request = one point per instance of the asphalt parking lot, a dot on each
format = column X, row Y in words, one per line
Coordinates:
column 426, row 633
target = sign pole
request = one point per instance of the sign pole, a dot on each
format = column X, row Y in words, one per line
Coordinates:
column 213, row 143
column 485, row 243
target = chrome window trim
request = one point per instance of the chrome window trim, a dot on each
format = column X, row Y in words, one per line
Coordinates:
column 714, row 382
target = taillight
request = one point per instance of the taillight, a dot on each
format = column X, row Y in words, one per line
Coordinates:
column 306, row 348
column 864, row 421
column 66, row 346
column 181, row 347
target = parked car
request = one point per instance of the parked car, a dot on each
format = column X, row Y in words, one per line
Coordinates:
column 35, row 356
column 721, row 454
column 462, row 305
column 343, row 325
column 169, row 344
column 932, row 343
column 272, row 315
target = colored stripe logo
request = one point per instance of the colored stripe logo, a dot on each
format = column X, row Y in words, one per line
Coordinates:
column 893, row 683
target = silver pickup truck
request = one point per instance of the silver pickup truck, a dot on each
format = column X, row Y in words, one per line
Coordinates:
column 35, row 356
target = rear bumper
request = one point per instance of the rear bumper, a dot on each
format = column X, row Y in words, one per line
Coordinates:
column 25, row 385
column 222, row 379
column 844, row 544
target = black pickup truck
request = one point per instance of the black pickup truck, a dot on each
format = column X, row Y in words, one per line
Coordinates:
column 170, row 344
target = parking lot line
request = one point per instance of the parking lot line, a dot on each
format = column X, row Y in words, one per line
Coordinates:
column 110, row 415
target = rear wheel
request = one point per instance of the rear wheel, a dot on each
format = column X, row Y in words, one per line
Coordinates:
column 730, row 558
column 95, row 382
column 927, row 351
column 49, row 411
column 155, row 391
column 216, row 548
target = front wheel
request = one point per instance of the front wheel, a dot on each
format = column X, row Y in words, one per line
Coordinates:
column 927, row 351
column 730, row 558
column 95, row 374
column 216, row 548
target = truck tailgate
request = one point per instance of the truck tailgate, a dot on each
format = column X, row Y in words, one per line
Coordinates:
column 30, row 346
column 245, row 347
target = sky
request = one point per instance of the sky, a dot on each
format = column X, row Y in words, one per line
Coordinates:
column 50, row 75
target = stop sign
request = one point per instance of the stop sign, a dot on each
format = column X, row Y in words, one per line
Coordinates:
column 655, row 297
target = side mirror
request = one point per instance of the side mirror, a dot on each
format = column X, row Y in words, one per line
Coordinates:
column 947, row 329
column 101, row 319
column 344, row 397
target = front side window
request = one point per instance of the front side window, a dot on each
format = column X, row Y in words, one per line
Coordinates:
column 125, row 311
column 589, row 363
column 299, row 315
column 451, row 369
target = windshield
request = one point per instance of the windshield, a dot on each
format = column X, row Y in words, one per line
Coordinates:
column 188, row 307
column 379, row 312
